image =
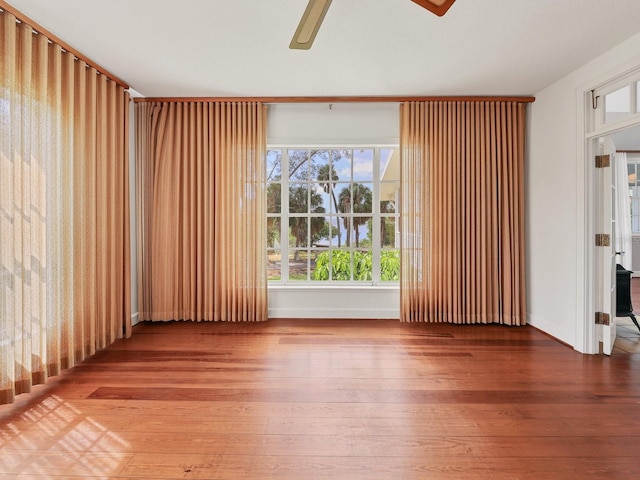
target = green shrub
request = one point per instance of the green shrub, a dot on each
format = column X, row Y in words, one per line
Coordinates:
column 339, row 263
column 390, row 265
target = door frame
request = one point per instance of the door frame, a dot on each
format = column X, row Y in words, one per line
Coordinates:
column 587, row 338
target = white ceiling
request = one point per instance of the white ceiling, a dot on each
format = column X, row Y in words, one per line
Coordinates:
column 365, row 47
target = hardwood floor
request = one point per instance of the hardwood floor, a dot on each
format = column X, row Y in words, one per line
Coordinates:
column 329, row 399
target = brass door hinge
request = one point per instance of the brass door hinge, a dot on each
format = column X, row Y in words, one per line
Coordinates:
column 602, row 318
column 603, row 161
column 603, row 240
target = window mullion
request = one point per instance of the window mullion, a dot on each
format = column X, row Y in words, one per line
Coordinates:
column 375, row 224
column 310, row 185
column 284, row 217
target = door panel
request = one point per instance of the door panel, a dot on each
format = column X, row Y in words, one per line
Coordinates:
column 607, row 270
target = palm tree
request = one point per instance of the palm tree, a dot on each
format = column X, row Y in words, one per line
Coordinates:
column 387, row 232
column 327, row 176
column 359, row 202
column 299, row 202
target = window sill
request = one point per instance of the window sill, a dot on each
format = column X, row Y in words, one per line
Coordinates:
column 334, row 286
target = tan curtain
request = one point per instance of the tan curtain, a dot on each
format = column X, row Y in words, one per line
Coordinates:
column 462, row 214
column 64, row 221
column 201, row 211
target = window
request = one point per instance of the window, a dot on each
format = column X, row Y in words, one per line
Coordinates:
column 617, row 104
column 633, row 171
column 332, row 215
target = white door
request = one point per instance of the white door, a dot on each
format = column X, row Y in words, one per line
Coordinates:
column 606, row 252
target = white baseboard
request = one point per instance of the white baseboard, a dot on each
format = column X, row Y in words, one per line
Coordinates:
column 349, row 301
column 552, row 329
column 341, row 313
column 135, row 319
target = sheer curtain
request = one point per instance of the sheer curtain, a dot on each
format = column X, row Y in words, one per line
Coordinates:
column 623, row 234
column 64, row 222
column 201, row 210
column 462, row 217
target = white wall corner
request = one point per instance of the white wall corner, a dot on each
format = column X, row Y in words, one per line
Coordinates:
column 555, row 329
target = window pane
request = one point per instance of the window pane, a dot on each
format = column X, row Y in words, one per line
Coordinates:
column 361, row 195
column 326, row 190
column 341, row 163
column 334, row 228
column 319, row 200
column 388, row 232
column 390, row 265
column 362, row 269
column 298, row 198
column 631, row 174
column 343, row 195
column 387, row 206
column 273, row 232
column 339, row 228
column 340, row 265
column 356, row 231
column 298, row 265
column 637, row 97
column 322, row 265
column 274, row 198
column 274, row 165
column 635, row 208
column 389, row 165
column 315, row 256
column 298, row 164
column 361, row 231
column 298, row 232
column 274, row 271
column 320, row 167
column 363, row 165
column 617, row 104
column 389, row 192
column 319, row 230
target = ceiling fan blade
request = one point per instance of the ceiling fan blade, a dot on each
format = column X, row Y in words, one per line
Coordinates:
column 439, row 7
column 309, row 24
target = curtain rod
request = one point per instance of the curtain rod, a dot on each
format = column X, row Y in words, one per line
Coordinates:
column 348, row 99
column 628, row 151
column 4, row 6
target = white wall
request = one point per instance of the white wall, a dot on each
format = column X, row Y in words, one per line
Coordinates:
column 341, row 124
column 347, row 124
column 554, row 180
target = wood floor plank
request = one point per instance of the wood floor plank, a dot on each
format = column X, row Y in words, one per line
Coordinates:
column 384, row 468
column 327, row 399
column 418, row 444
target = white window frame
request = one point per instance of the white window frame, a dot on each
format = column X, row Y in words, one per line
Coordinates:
column 634, row 193
column 598, row 122
column 375, row 214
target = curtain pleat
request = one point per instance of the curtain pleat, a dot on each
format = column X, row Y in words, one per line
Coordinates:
column 64, row 254
column 201, row 211
column 462, row 215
